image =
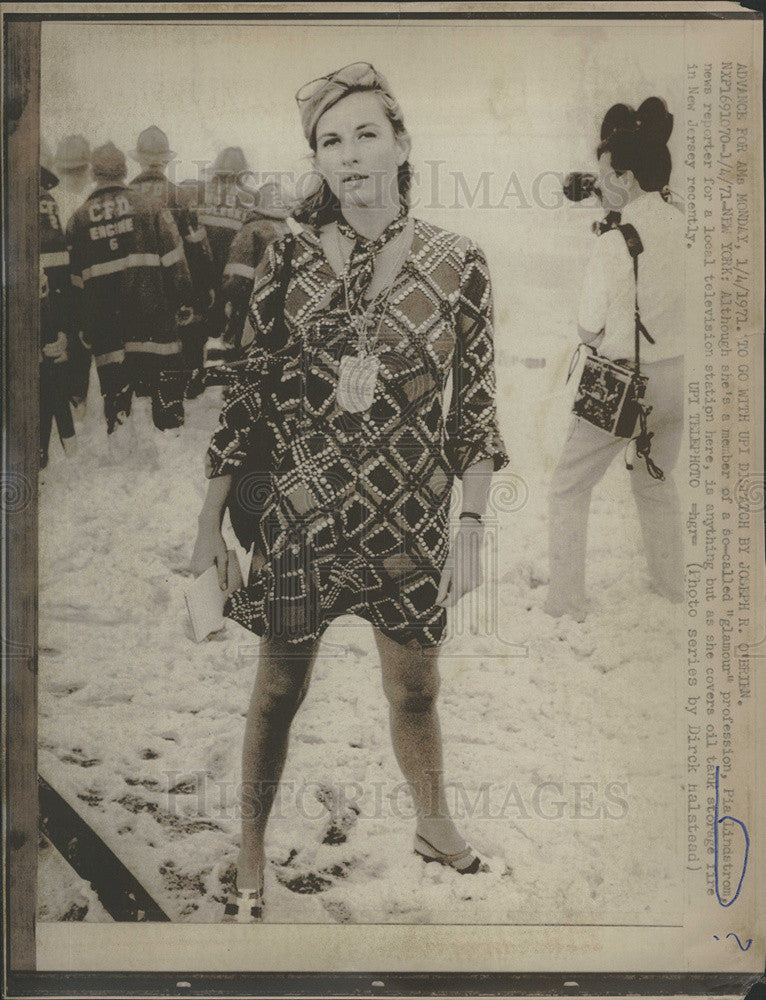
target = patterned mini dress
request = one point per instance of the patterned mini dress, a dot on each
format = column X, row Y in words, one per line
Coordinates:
column 356, row 520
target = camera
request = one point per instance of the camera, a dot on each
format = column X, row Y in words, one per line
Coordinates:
column 579, row 186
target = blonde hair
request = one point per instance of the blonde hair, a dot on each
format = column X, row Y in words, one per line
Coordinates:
column 322, row 206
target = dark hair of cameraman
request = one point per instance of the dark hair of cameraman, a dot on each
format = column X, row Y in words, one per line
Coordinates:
column 635, row 141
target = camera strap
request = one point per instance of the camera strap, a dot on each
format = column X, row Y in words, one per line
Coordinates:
column 575, row 359
column 635, row 247
column 643, row 440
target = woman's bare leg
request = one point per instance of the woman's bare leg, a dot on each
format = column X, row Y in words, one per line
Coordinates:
column 411, row 684
column 284, row 671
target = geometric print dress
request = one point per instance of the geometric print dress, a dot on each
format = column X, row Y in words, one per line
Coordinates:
column 356, row 520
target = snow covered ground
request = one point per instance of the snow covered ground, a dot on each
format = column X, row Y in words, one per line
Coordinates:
column 146, row 725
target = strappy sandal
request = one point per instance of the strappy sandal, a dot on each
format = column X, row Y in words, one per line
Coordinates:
column 243, row 906
column 465, row 862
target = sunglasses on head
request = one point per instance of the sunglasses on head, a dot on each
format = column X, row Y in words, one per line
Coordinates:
column 356, row 74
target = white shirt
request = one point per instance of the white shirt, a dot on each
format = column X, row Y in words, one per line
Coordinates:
column 608, row 295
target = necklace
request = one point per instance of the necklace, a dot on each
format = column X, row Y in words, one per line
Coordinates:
column 358, row 373
column 361, row 322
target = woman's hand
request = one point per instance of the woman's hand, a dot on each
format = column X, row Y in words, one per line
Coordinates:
column 590, row 338
column 210, row 550
column 464, row 569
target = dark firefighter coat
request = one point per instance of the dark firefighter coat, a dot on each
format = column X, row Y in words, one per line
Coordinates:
column 155, row 188
column 221, row 210
column 247, row 248
column 56, row 305
column 130, row 272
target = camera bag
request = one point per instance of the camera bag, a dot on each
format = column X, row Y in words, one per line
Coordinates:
column 610, row 393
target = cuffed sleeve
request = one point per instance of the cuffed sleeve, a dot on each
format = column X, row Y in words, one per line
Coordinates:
column 472, row 426
column 242, row 407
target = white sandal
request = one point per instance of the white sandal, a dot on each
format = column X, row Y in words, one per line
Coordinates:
column 465, row 862
column 243, row 906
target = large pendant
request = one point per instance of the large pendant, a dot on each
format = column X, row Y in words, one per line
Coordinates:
column 357, row 378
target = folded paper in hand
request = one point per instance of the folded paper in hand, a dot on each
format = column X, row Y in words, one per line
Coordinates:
column 205, row 599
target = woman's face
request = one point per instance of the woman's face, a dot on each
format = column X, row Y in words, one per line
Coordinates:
column 358, row 153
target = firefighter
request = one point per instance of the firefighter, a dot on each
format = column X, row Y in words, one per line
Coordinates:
column 223, row 206
column 266, row 222
column 56, row 321
column 129, row 268
column 71, row 165
column 153, row 153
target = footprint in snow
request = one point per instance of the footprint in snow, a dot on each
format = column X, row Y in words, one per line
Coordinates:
column 342, row 816
column 77, row 756
column 310, row 879
column 339, row 911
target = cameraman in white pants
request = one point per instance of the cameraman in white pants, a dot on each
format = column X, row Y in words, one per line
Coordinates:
column 634, row 166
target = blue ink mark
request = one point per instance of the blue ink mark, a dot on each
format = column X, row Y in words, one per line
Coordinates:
column 716, row 937
column 743, row 947
column 739, row 822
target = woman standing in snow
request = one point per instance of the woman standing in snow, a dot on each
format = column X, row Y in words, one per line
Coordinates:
column 380, row 309
column 634, row 167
